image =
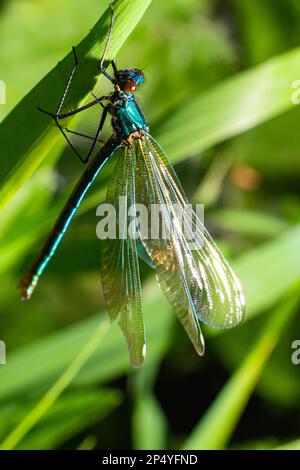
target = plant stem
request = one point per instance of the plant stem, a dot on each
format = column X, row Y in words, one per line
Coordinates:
column 56, row 390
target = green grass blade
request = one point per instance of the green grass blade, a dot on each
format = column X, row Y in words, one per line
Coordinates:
column 149, row 423
column 36, row 134
column 69, row 416
column 56, row 351
column 88, row 443
column 248, row 222
column 56, row 390
column 73, row 412
column 230, row 108
column 216, row 427
column 269, row 271
column 293, row 445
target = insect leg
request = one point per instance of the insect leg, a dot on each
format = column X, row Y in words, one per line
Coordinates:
column 114, row 66
column 102, row 69
column 68, row 82
column 100, row 127
column 82, row 135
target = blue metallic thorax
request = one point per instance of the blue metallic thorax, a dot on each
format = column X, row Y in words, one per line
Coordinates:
column 127, row 115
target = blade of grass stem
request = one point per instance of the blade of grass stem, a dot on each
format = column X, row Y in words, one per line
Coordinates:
column 219, row 422
column 56, row 390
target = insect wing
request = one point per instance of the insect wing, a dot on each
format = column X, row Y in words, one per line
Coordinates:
column 196, row 279
column 119, row 260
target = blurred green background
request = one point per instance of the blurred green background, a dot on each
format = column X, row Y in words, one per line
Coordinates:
column 217, row 96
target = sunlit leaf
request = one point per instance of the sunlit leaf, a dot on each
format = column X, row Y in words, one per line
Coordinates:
column 37, row 135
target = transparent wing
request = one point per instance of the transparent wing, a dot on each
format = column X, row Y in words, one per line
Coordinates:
column 119, row 261
column 195, row 277
column 163, row 251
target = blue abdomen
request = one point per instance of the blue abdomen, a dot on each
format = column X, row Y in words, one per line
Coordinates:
column 130, row 117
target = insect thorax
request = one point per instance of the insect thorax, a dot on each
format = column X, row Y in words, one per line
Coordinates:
column 127, row 117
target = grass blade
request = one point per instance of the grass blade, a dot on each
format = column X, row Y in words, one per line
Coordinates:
column 56, row 351
column 293, row 445
column 56, row 390
column 149, row 423
column 269, row 271
column 230, row 108
column 36, row 134
column 216, row 427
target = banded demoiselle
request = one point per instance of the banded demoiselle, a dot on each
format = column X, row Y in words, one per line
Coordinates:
column 198, row 283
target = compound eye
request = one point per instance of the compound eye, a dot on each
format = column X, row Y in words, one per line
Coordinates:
column 129, row 86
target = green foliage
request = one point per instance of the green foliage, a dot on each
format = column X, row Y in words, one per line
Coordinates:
column 36, row 136
column 230, row 108
column 69, row 415
column 219, row 422
column 219, row 95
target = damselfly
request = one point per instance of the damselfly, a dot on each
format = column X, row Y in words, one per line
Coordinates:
column 198, row 282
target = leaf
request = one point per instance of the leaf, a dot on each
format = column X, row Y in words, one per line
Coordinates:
column 217, row 425
column 263, row 17
column 293, row 445
column 247, row 222
column 36, row 134
column 70, row 415
column 55, row 391
column 270, row 270
column 39, row 34
column 230, row 108
column 56, row 351
column 149, row 423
